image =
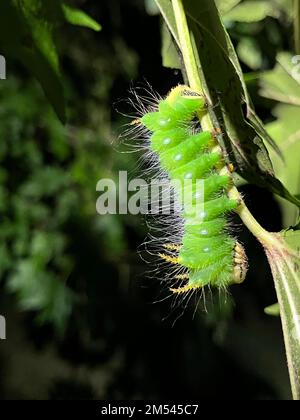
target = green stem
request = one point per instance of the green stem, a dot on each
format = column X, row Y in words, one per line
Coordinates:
column 297, row 25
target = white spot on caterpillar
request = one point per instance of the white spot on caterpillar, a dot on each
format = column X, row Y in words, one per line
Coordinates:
column 178, row 157
column 188, row 175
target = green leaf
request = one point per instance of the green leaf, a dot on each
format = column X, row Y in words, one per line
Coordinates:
column 284, row 259
column 166, row 9
column 170, row 56
column 41, row 18
column 250, row 53
column 26, row 33
column 255, row 10
column 151, row 7
column 79, row 18
column 283, row 84
column 224, row 6
column 272, row 310
column 250, row 11
column 284, row 5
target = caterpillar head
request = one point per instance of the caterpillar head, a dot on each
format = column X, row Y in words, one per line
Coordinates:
column 240, row 264
column 186, row 94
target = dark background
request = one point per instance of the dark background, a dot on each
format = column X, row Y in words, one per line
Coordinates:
column 81, row 323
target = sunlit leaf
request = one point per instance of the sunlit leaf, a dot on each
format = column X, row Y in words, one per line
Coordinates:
column 273, row 310
column 286, row 132
column 170, row 56
column 26, row 33
column 224, row 6
column 284, row 259
column 250, row 11
column 283, row 83
column 151, row 7
column 80, row 18
column 249, row 52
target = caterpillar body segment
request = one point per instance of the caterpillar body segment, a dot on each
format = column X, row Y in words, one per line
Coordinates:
column 193, row 159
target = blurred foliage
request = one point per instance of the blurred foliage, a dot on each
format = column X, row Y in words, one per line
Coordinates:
column 48, row 179
column 283, row 85
column 53, row 182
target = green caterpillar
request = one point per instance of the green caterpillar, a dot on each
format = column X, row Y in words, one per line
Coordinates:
column 207, row 253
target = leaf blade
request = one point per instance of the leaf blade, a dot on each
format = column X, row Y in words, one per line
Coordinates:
column 79, row 18
column 284, row 260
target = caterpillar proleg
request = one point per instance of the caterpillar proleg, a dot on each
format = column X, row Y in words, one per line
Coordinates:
column 206, row 253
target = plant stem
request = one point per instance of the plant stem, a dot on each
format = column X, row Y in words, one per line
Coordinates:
column 185, row 40
column 297, row 25
column 266, row 238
